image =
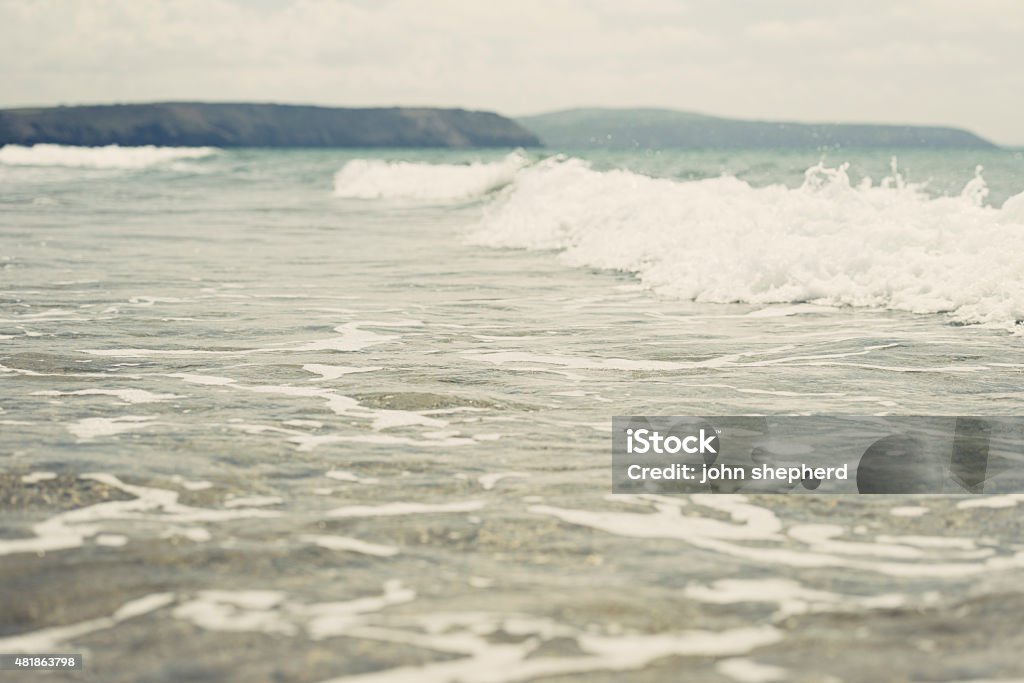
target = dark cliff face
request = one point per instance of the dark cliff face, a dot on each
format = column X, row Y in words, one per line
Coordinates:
column 654, row 128
column 259, row 125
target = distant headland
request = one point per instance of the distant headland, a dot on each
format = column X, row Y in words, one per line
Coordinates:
column 207, row 124
column 198, row 124
column 664, row 128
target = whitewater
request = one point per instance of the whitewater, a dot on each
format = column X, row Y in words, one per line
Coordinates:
column 887, row 244
column 351, row 410
column 109, row 156
column 378, row 179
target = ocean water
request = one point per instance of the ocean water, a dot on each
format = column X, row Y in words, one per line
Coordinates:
column 345, row 415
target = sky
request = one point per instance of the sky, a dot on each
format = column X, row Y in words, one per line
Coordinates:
column 942, row 62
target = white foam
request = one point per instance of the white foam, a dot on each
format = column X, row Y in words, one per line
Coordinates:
column 70, row 529
column 388, row 419
column 206, row 380
column 328, row 619
column 90, row 428
column 791, row 597
column 253, row 610
column 111, row 156
column 575, row 363
column 351, row 338
column 786, row 311
column 342, row 475
column 931, row 541
column 825, row 243
column 266, row 611
column 353, row 545
column 381, row 439
column 50, row 315
column 335, row 371
column 1004, row 501
column 908, row 511
column 150, row 353
column 307, row 442
column 111, row 540
column 124, row 395
column 339, row 404
column 395, row 509
column 191, row 485
column 1013, row 209
column 489, row 660
column 488, row 481
column 51, row 639
column 749, row 671
column 468, row 638
column 36, row 477
column 817, row 546
column 825, row 538
column 378, row 179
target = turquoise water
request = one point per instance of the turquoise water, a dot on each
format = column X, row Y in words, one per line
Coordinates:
column 361, row 423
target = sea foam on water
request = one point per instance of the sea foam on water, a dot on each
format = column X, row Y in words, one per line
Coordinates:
column 378, row 179
column 825, row 242
column 110, row 156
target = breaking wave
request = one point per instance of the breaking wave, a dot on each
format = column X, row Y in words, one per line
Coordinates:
column 111, row 156
column 378, row 179
column 827, row 242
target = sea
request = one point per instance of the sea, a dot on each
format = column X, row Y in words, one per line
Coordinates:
column 345, row 415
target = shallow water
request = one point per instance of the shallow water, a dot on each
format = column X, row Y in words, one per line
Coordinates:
column 242, row 414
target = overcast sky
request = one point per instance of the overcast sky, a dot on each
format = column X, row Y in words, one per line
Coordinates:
column 955, row 62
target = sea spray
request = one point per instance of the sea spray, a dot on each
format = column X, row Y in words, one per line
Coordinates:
column 827, row 242
column 378, row 179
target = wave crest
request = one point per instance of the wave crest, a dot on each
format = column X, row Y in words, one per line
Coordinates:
column 826, row 242
column 111, row 156
column 378, row 179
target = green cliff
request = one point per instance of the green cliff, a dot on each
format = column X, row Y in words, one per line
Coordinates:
column 189, row 124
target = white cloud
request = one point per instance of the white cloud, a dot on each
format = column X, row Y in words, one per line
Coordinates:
column 803, row 29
